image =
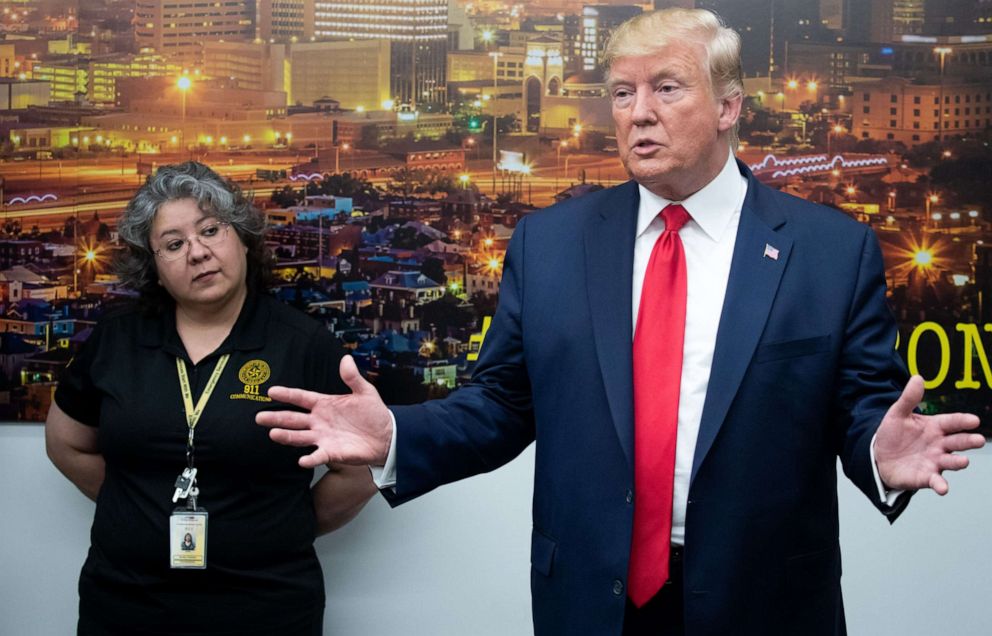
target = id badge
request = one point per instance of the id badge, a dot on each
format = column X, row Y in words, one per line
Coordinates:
column 188, row 539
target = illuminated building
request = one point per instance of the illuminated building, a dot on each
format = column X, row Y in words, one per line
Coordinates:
column 582, row 101
column 256, row 65
column 964, row 57
column 543, row 71
column 8, row 61
column 179, row 28
column 901, row 110
column 283, row 20
column 18, row 94
column 67, row 78
column 833, row 64
column 358, row 77
column 104, row 73
column 598, row 23
column 410, row 26
column 468, row 66
column 353, row 128
column 216, row 117
column 96, row 79
column 413, row 287
column 524, row 76
column 907, row 17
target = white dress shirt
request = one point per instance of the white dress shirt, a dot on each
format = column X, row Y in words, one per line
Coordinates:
column 708, row 239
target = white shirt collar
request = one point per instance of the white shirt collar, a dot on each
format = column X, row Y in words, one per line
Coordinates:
column 711, row 208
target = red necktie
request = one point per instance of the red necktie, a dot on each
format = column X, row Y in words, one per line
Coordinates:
column 658, row 343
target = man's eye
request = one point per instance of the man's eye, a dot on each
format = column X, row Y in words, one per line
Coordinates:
column 622, row 96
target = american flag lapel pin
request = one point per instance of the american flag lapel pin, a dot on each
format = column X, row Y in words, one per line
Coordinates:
column 771, row 252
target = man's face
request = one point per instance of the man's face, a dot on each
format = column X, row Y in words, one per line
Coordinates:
column 672, row 133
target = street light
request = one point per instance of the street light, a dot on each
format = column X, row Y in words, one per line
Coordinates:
column 930, row 200
column 337, row 156
column 836, row 130
column 183, row 84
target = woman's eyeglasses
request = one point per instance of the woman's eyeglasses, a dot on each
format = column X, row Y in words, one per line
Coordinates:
column 207, row 235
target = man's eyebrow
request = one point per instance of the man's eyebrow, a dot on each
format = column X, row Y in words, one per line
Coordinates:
column 670, row 72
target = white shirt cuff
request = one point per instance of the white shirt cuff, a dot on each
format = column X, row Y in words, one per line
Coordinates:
column 385, row 476
column 886, row 496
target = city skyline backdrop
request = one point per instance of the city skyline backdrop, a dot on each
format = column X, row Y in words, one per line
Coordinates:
column 393, row 145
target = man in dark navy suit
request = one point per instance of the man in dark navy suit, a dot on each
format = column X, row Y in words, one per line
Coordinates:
column 691, row 351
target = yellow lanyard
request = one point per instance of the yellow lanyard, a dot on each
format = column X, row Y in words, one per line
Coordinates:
column 193, row 412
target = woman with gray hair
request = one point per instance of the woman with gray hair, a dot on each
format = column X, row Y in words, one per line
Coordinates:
column 154, row 419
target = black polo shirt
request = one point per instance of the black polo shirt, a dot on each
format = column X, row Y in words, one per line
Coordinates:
column 262, row 575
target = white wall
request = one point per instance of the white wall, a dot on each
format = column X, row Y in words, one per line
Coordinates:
column 456, row 561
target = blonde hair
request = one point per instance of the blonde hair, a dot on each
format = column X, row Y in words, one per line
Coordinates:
column 648, row 32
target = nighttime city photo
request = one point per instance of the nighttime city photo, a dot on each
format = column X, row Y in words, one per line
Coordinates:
column 392, row 179
column 392, row 148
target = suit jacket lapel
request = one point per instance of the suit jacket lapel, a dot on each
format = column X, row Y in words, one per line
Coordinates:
column 609, row 245
column 751, row 288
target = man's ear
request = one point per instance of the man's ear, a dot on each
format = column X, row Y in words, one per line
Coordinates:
column 730, row 111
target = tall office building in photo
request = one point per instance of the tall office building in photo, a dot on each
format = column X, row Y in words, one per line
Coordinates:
column 907, row 17
column 956, row 17
column 768, row 28
column 178, row 29
column 598, row 23
column 868, row 20
column 411, row 26
column 283, row 20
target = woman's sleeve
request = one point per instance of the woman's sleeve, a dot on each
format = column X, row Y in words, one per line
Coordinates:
column 76, row 394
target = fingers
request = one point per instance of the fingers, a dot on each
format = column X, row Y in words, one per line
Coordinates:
column 956, row 422
column 301, row 439
column 313, row 460
column 938, row 484
column 292, row 438
column 350, row 375
column 284, row 419
column 953, row 462
column 963, row 442
column 296, row 397
column 911, row 397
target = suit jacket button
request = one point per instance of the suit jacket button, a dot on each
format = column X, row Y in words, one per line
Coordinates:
column 630, row 496
column 617, row 587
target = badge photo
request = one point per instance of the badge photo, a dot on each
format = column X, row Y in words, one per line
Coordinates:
column 188, row 540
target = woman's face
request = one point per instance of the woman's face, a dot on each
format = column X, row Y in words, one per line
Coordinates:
column 201, row 263
column 188, row 538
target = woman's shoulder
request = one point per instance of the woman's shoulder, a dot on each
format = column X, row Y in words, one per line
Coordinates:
column 125, row 318
column 284, row 317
